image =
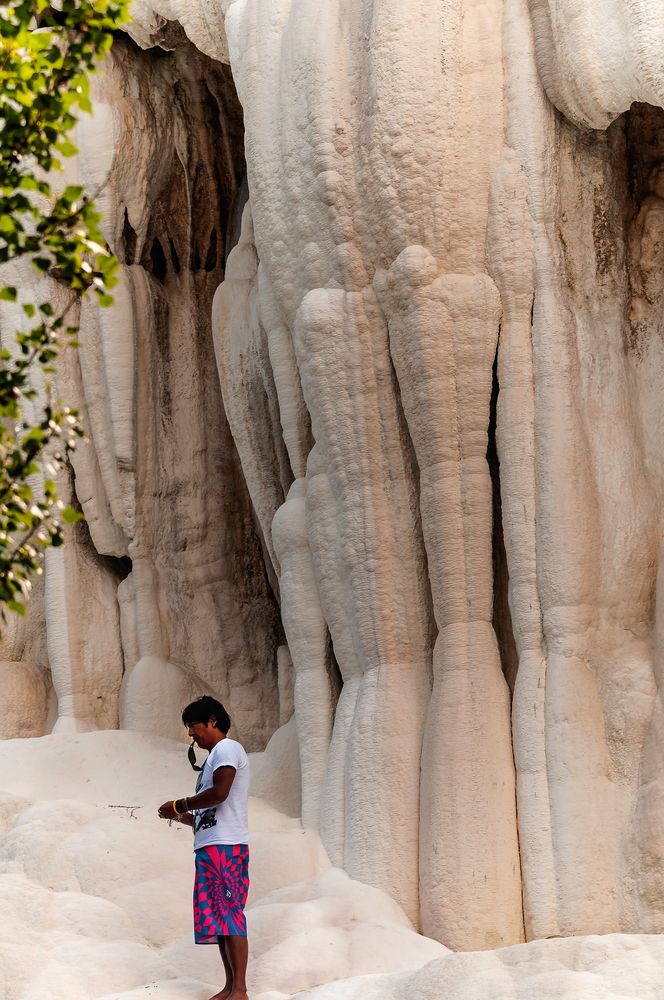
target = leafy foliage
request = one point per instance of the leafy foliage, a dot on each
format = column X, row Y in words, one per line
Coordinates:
column 46, row 58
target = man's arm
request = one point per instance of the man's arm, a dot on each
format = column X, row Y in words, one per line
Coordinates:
column 223, row 779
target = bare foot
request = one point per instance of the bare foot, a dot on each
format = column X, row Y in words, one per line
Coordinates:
column 222, row 995
column 238, row 995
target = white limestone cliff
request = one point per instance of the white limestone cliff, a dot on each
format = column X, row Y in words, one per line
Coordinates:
column 375, row 433
column 368, row 159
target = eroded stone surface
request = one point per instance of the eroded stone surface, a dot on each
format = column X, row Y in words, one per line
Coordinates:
column 446, row 290
column 164, row 594
column 406, row 258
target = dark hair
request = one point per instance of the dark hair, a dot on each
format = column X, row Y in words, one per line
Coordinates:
column 203, row 709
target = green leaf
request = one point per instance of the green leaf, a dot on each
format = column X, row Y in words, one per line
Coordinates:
column 71, row 193
column 67, row 148
column 71, row 516
column 8, row 226
column 35, row 434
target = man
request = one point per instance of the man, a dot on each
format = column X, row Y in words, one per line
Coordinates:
column 218, row 813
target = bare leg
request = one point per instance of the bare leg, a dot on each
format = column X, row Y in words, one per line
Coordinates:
column 237, row 950
column 228, row 988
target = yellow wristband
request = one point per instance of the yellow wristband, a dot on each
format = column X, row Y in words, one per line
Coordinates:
column 175, row 807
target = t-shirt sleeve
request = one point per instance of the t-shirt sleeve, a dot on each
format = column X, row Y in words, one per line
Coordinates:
column 224, row 756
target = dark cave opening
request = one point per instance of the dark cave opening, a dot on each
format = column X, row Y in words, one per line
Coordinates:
column 158, row 266
column 211, row 257
column 127, row 250
column 644, row 225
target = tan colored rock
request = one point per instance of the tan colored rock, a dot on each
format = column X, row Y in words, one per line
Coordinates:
column 24, row 695
column 154, row 692
column 276, row 774
column 84, row 650
column 159, row 478
column 286, row 684
column 588, row 75
column 247, row 385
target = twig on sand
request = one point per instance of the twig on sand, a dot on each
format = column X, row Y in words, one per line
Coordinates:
column 130, row 809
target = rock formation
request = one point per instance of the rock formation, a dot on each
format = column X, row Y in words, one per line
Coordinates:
column 388, row 395
column 163, row 593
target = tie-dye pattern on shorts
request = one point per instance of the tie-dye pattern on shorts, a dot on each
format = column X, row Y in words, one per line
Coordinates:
column 220, row 892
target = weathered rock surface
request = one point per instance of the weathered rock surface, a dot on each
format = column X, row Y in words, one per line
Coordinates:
column 440, row 291
column 418, row 435
column 164, row 594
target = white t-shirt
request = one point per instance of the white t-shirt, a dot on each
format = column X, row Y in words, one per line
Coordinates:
column 227, row 823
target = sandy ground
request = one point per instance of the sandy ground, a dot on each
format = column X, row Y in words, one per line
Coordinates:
column 96, row 896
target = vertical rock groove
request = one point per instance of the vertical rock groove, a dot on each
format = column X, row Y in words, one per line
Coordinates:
column 502, row 617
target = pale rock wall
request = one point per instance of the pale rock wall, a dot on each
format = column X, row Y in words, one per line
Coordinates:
column 421, row 211
column 582, row 712
column 596, row 59
column 352, row 176
column 439, row 347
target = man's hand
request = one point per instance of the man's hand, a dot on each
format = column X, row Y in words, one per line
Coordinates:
column 166, row 811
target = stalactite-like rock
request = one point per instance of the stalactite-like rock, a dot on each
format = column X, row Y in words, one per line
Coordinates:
column 170, row 528
column 371, row 192
column 321, row 525
column 510, row 252
column 247, row 385
column 368, row 481
column 443, row 336
column 307, row 636
column 421, row 423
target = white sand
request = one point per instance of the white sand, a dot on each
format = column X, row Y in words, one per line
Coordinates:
column 95, row 892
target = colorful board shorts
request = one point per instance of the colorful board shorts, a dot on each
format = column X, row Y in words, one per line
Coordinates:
column 220, row 892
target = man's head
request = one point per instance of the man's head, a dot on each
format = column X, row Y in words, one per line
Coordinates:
column 207, row 721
